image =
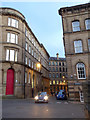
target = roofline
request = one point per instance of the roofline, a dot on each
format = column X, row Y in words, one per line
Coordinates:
column 41, row 45
column 74, row 7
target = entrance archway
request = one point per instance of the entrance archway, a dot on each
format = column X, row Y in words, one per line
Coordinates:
column 10, row 82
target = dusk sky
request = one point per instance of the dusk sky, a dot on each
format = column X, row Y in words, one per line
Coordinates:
column 45, row 22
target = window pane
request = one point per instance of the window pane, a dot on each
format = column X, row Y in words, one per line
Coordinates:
column 76, row 26
column 89, row 44
column 12, row 38
column 16, row 24
column 16, row 39
column 78, row 46
column 87, row 23
column 26, row 60
column 29, row 62
column 11, row 55
column 16, row 56
column 25, row 77
column 13, row 22
column 26, row 46
column 81, row 71
column 9, row 21
column 7, row 54
column 8, row 37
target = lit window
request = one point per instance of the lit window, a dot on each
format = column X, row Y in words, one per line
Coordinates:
column 29, row 62
column 87, row 24
column 12, row 38
column 78, row 46
column 50, row 82
column 25, row 77
column 29, row 79
column 89, row 44
column 11, row 55
column 76, row 26
column 57, row 82
column 81, row 71
column 12, row 22
column 53, row 82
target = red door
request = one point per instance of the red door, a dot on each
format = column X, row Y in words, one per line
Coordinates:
column 10, row 82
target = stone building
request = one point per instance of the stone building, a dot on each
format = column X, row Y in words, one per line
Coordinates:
column 58, row 74
column 76, row 37
column 24, row 61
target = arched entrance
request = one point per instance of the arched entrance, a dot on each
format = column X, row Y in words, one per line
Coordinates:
column 10, row 82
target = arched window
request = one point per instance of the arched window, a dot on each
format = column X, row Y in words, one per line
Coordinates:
column 81, row 73
column 87, row 23
column 76, row 26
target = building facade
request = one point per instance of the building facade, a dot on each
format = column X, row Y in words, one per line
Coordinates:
column 58, row 74
column 24, row 61
column 76, row 37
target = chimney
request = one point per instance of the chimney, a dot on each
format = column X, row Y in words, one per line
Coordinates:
column 57, row 56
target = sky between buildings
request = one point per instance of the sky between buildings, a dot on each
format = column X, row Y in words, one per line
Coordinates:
column 45, row 22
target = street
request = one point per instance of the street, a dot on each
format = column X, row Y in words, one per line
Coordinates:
column 26, row 108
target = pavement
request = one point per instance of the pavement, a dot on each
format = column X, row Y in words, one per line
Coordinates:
column 27, row 108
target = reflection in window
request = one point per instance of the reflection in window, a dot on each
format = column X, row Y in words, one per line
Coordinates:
column 78, row 46
column 26, row 45
column 87, row 24
column 29, row 62
column 26, row 60
column 25, row 77
column 12, row 38
column 12, row 22
column 81, row 71
column 76, row 26
column 11, row 55
column 89, row 44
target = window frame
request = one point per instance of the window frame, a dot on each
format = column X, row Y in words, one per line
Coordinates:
column 75, row 48
column 75, row 26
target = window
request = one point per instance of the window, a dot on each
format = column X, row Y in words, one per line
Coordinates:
column 29, row 49
column 49, row 68
column 57, row 75
column 32, row 52
column 56, row 69
column 32, row 64
column 60, row 75
column 63, row 69
column 53, row 69
column 60, row 69
column 29, row 79
column 26, row 60
column 57, row 82
column 54, row 82
column 78, row 46
column 87, row 24
column 56, row 63
column 76, row 26
column 50, row 82
column 11, row 55
column 50, row 75
column 59, row 63
column 12, row 38
column 12, row 22
column 89, row 44
column 29, row 62
column 26, row 45
column 25, row 77
column 53, row 75
column 53, row 63
column 81, row 71
column 63, row 63
column 49, row 63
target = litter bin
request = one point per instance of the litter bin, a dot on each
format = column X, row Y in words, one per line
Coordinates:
column 86, row 94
